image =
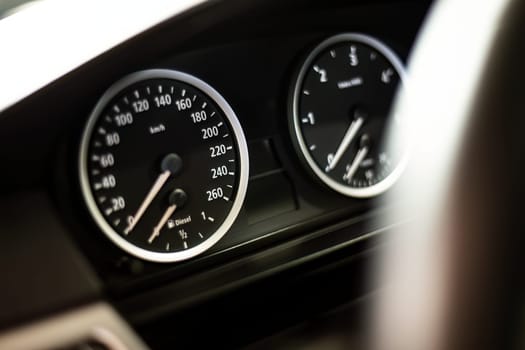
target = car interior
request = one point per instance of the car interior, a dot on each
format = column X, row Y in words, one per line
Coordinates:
column 249, row 174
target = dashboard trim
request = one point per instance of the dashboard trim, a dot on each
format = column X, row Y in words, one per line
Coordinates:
column 249, row 269
column 97, row 322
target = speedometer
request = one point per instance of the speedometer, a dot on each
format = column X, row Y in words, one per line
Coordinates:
column 163, row 165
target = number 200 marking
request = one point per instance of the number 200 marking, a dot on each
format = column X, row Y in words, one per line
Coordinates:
column 209, row 132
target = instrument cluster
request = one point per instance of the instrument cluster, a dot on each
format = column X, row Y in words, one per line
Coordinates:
column 164, row 161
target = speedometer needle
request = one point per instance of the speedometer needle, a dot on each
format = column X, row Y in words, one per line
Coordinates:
column 171, row 164
column 161, row 180
column 347, row 139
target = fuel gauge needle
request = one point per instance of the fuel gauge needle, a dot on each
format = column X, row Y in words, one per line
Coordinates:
column 177, row 199
column 156, row 230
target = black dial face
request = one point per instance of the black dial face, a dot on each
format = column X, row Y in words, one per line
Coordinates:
column 342, row 100
column 163, row 165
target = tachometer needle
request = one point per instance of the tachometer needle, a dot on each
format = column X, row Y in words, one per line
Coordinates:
column 161, row 180
column 360, row 156
column 347, row 139
column 156, row 230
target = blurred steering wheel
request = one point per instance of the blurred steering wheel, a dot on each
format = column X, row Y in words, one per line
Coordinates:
column 454, row 278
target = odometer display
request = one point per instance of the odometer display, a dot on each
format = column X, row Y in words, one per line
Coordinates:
column 163, row 165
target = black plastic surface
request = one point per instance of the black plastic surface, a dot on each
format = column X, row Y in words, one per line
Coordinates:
column 339, row 329
column 340, row 240
column 41, row 270
column 268, row 196
column 262, row 157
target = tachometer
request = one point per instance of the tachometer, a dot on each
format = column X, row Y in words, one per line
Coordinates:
column 163, row 165
column 339, row 115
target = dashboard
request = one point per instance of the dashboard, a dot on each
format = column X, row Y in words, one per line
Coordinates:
column 226, row 164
